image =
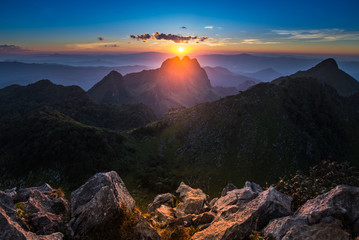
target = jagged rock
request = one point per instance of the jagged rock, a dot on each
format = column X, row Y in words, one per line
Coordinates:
column 45, row 213
column 161, row 199
column 165, row 213
column 320, row 231
column 226, row 189
column 256, row 214
column 212, row 202
column 10, row 229
column 237, row 197
column 195, row 201
column 254, row 186
column 185, row 221
column 204, row 218
column 144, row 231
column 277, row 228
column 340, row 202
column 103, row 197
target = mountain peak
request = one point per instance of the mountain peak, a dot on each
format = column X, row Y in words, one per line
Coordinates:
column 177, row 63
column 329, row 63
column 115, row 74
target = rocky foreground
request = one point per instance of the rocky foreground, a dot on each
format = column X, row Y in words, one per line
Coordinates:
column 102, row 208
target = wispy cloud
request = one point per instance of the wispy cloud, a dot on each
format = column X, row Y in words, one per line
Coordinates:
column 334, row 34
column 93, row 45
column 256, row 41
column 11, row 49
column 169, row 37
column 208, row 27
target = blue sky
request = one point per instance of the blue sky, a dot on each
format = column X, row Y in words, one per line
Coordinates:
column 272, row 25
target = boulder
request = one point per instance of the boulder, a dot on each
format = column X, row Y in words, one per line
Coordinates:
column 102, row 198
column 195, row 201
column 161, row 199
column 277, row 228
column 226, row 189
column 144, row 231
column 341, row 202
column 43, row 210
column 237, row 197
column 320, row 231
column 165, row 213
column 256, row 214
column 10, row 229
column 204, row 218
column 186, row 220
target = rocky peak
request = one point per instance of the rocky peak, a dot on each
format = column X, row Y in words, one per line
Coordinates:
column 327, row 64
column 113, row 75
column 176, row 64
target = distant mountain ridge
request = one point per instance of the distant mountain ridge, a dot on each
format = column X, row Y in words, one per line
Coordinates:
column 83, row 76
column 329, row 73
column 176, row 83
column 220, row 76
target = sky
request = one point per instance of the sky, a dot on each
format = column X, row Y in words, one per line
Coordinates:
column 272, row 26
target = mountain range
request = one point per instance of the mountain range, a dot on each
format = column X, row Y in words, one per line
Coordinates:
column 177, row 83
column 259, row 134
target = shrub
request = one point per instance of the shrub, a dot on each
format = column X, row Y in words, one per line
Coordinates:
column 321, row 179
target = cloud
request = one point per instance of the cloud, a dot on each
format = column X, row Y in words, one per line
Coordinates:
column 94, row 45
column 333, row 34
column 183, row 27
column 168, row 37
column 256, row 41
column 208, row 27
column 11, row 49
column 100, row 38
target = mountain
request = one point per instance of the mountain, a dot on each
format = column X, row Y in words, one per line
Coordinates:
column 327, row 72
column 176, row 83
column 220, row 76
column 48, row 132
column 85, row 77
column 270, row 130
column 17, row 101
column 265, row 75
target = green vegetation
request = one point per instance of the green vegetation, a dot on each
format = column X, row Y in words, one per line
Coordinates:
column 21, row 211
column 320, row 179
column 256, row 236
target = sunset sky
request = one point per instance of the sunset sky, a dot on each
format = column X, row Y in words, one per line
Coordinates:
column 295, row 26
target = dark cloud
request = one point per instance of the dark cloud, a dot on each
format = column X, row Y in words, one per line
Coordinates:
column 100, row 38
column 11, row 49
column 184, row 27
column 169, row 37
column 143, row 37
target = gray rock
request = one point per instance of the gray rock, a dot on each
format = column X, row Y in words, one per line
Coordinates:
column 11, row 230
column 195, row 201
column 204, row 218
column 254, row 186
column 256, row 214
column 144, row 231
column 237, row 197
column 161, row 199
column 226, row 189
column 340, row 202
column 102, row 198
column 212, row 202
column 277, row 228
column 165, row 213
column 320, row 231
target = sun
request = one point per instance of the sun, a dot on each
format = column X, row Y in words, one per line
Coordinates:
column 181, row 49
